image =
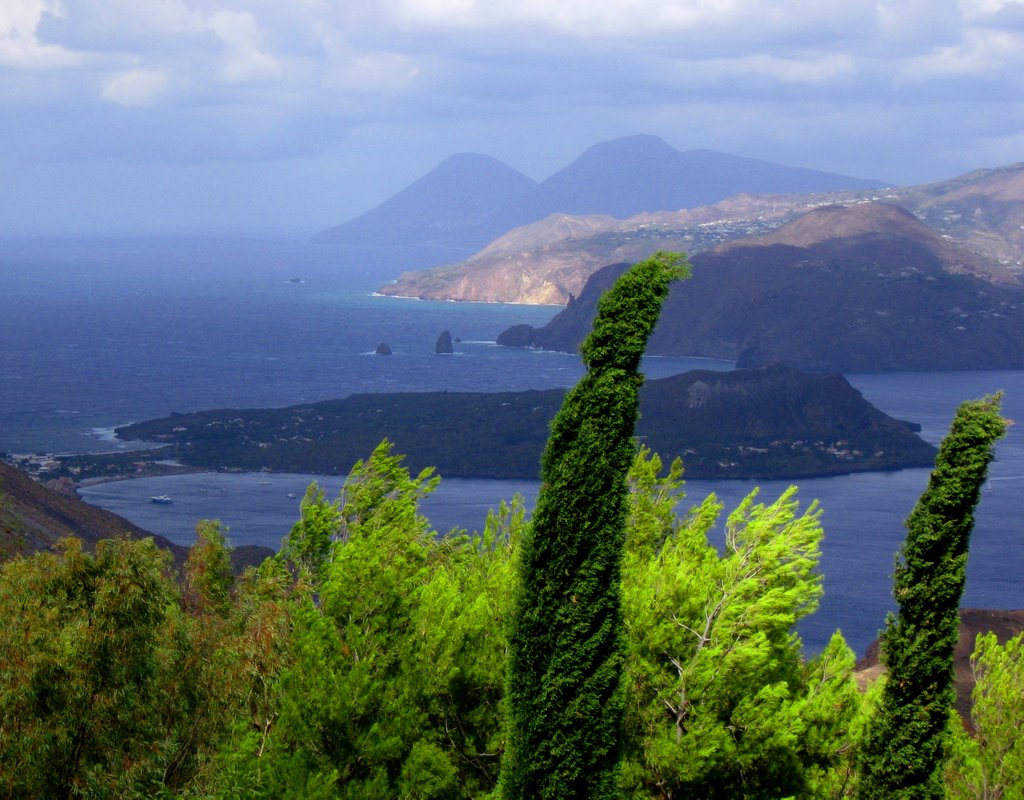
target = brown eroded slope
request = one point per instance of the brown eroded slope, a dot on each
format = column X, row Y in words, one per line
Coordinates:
column 550, row 260
column 34, row 517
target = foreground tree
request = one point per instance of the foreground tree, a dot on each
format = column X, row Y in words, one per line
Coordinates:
column 904, row 754
column 721, row 701
column 990, row 765
column 80, row 670
column 566, row 645
column 393, row 678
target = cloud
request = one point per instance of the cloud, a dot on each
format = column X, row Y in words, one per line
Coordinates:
column 20, row 47
column 245, row 59
column 137, row 87
column 982, row 52
column 810, row 70
column 400, row 84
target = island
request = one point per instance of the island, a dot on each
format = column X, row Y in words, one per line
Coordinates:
column 773, row 422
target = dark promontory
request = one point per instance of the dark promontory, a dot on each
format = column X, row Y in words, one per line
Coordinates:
column 764, row 423
column 866, row 288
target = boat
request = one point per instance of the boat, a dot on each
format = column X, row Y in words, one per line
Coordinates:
column 162, row 499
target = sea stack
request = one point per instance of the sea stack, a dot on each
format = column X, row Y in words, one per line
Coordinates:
column 444, row 344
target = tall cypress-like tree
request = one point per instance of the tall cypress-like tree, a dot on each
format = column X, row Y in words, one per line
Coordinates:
column 904, row 753
column 566, row 645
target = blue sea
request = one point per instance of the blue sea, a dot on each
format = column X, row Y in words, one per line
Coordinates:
column 98, row 333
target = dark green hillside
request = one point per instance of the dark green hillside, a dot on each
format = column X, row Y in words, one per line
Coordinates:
column 767, row 423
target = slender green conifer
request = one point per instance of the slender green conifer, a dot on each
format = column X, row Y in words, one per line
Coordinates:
column 566, row 646
column 904, row 753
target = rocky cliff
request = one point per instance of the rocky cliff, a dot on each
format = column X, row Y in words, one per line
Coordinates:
column 865, row 288
column 549, row 260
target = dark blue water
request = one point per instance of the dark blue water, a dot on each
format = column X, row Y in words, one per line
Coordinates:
column 95, row 334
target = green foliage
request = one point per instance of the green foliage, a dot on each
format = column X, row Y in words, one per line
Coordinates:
column 566, row 649
column 905, row 750
column 208, row 572
column 371, row 659
column 393, row 681
column 990, row 765
column 80, row 668
column 308, row 545
column 721, row 703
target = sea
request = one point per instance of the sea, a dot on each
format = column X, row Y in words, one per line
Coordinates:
column 100, row 332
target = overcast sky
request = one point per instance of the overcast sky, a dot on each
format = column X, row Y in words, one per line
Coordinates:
column 151, row 115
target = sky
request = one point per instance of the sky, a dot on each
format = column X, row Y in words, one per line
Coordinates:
column 153, row 116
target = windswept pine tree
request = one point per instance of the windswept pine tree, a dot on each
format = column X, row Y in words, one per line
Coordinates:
column 566, row 644
column 904, row 753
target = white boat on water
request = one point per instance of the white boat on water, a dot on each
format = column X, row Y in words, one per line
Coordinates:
column 162, row 499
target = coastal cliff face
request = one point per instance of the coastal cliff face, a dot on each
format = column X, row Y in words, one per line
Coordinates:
column 867, row 288
column 549, row 260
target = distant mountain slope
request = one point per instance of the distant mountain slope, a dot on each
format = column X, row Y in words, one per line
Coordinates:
column 546, row 261
column 457, row 204
column 469, row 200
column 640, row 173
column 983, row 209
column 33, row 517
column 867, row 288
column 768, row 423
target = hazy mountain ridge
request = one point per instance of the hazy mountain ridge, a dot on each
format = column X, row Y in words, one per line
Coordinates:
column 457, row 204
column 885, row 293
column 469, row 200
column 983, row 211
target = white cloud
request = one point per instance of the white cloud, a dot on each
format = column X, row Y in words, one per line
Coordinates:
column 618, row 18
column 264, row 81
column 977, row 10
column 981, row 52
column 20, row 47
column 813, row 69
column 246, row 60
column 137, row 87
column 373, row 72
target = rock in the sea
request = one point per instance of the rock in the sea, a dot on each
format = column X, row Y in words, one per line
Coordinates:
column 444, row 343
column 516, row 336
column 383, row 349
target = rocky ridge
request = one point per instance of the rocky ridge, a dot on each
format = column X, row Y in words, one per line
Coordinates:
column 547, row 261
column 865, row 288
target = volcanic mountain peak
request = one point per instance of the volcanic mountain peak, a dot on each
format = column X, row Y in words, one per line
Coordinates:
column 452, row 205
